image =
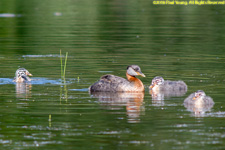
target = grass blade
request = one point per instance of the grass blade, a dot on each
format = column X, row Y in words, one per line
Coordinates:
column 64, row 75
column 61, row 66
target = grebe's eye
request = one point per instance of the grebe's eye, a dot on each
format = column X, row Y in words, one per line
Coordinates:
column 136, row 69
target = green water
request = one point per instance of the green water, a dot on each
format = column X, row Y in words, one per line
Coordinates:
column 176, row 42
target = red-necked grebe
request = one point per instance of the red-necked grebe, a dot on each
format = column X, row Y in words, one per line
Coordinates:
column 159, row 84
column 112, row 83
column 22, row 75
column 199, row 99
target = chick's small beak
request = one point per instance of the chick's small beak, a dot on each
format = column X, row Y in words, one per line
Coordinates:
column 141, row 74
column 152, row 86
column 29, row 74
column 194, row 98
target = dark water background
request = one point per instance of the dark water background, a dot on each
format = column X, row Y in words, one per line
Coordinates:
column 176, row 42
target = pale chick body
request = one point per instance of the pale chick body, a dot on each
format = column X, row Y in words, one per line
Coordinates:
column 198, row 99
column 112, row 83
column 198, row 102
column 167, row 88
column 22, row 75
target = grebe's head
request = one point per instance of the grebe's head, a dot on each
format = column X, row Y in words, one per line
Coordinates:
column 134, row 70
column 156, row 82
column 199, row 94
column 22, row 73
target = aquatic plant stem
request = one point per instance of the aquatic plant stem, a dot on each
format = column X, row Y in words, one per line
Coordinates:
column 64, row 75
column 50, row 120
column 61, row 66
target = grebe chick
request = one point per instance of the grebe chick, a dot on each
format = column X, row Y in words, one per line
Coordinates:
column 159, row 84
column 112, row 83
column 198, row 99
column 22, row 75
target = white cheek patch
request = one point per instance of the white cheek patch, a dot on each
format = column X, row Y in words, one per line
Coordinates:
column 158, row 82
column 131, row 71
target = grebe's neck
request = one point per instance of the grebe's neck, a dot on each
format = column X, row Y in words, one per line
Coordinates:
column 137, row 82
column 155, row 88
column 131, row 78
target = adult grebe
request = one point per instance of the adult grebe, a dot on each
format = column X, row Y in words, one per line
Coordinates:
column 111, row 83
column 159, row 84
column 21, row 75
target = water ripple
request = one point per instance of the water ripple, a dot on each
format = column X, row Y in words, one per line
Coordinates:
column 7, row 15
column 36, row 81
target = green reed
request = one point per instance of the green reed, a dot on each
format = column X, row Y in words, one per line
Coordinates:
column 63, row 94
column 63, row 67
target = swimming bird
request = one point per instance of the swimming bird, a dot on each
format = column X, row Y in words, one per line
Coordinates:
column 22, row 75
column 112, row 83
column 159, row 84
column 198, row 99
column 198, row 103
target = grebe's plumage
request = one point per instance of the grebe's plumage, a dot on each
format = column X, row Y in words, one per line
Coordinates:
column 22, row 75
column 158, row 83
column 198, row 102
column 112, row 83
column 198, row 98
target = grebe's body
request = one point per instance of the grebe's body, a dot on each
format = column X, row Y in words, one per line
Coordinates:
column 198, row 99
column 198, row 103
column 22, row 75
column 160, row 85
column 112, row 83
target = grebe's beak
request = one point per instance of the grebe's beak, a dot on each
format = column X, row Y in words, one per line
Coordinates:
column 194, row 97
column 152, row 86
column 29, row 74
column 141, row 74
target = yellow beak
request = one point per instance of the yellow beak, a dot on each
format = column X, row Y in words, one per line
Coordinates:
column 141, row 74
column 152, row 85
column 29, row 74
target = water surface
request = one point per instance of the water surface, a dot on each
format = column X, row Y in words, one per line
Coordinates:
column 176, row 42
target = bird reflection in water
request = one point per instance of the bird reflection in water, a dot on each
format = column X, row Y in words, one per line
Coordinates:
column 23, row 90
column 198, row 103
column 115, row 101
column 161, row 89
column 23, row 85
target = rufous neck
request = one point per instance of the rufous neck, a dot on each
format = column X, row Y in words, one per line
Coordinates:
column 137, row 82
column 131, row 78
